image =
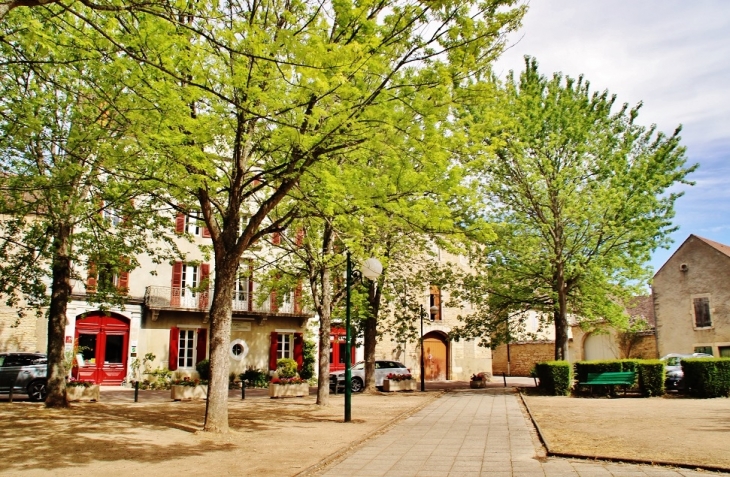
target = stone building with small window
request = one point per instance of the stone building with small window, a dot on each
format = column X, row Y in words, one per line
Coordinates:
column 691, row 294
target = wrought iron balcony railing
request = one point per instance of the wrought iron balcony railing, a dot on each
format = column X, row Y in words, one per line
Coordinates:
column 158, row 297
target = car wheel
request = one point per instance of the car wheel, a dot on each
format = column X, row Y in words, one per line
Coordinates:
column 37, row 391
column 357, row 385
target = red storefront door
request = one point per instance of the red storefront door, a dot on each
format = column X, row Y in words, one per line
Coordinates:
column 103, row 341
column 338, row 350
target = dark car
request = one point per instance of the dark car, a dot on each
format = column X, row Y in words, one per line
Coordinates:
column 25, row 373
column 673, row 365
column 382, row 369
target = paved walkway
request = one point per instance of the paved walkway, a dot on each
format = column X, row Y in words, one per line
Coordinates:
column 475, row 433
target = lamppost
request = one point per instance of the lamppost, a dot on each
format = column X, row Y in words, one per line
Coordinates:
column 371, row 270
column 433, row 310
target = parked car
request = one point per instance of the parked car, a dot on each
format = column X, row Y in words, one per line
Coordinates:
column 25, row 373
column 673, row 364
column 382, row 370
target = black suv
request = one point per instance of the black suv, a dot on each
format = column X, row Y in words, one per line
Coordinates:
column 25, row 373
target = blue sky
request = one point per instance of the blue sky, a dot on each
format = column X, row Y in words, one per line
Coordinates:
column 672, row 55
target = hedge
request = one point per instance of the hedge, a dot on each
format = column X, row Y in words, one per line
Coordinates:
column 652, row 375
column 707, row 377
column 555, row 378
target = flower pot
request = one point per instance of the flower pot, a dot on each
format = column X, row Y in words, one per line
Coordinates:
column 477, row 384
column 288, row 390
column 178, row 392
column 81, row 393
column 390, row 386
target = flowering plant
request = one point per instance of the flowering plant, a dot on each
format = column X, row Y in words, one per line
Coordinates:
column 75, row 383
column 399, row 377
column 294, row 380
column 480, row 377
column 186, row 381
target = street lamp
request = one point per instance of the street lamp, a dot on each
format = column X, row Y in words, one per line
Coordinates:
column 371, row 270
column 433, row 310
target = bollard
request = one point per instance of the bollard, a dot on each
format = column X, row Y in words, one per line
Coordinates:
column 504, row 376
column 136, row 391
column 243, row 390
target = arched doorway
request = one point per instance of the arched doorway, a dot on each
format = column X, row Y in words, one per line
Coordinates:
column 598, row 347
column 103, row 342
column 435, row 356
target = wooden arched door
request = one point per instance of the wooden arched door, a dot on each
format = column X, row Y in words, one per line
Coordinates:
column 435, row 357
column 104, row 343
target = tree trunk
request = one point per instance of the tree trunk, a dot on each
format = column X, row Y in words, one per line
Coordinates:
column 371, row 332
column 60, row 292
column 325, row 321
column 561, row 318
column 221, row 310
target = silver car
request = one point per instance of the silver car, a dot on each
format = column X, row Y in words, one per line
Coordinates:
column 382, row 369
column 673, row 365
column 25, row 373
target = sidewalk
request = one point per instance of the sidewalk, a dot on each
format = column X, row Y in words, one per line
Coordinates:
column 473, row 433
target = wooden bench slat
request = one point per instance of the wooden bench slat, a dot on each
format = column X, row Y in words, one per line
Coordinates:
column 610, row 378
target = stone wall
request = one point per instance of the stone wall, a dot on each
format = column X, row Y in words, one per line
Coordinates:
column 523, row 357
column 21, row 334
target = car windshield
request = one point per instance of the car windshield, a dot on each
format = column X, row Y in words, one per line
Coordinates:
column 674, row 361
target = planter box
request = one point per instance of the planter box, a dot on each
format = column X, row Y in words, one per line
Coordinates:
column 178, row 393
column 390, row 386
column 288, row 390
column 477, row 384
column 80, row 393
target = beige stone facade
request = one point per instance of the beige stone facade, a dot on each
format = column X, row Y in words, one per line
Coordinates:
column 691, row 294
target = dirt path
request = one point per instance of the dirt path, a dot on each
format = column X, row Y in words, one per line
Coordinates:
column 268, row 438
column 670, row 429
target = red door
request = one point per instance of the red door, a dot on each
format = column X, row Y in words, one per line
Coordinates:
column 103, row 341
column 338, row 349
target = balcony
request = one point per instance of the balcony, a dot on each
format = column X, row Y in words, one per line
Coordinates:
column 158, row 298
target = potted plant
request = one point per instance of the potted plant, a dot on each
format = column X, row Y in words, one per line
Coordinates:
column 399, row 382
column 286, row 381
column 82, row 390
column 187, row 388
column 479, row 380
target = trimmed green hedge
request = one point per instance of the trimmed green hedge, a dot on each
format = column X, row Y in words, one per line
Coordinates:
column 652, row 375
column 555, row 378
column 707, row 377
column 582, row 368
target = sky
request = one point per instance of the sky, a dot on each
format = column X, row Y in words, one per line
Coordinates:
column 674, row 56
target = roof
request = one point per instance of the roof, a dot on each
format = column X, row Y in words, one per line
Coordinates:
column 642, row 307
column 722, row 248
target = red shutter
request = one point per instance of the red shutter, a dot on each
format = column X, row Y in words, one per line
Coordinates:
column 250, row 284
column 276, row 238
column 123, row 285
column 174, row 337
column 180, row 223
column 204, row 273
column 272, row 350
column 206, row 232
column 298, row 298
column 201, row 347
column 176, row 283
column 299, row 350
column 300, row 237
column 272, row 301
column 91, row 278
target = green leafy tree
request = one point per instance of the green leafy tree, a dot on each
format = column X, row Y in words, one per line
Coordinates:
column 580, row 195
column 61, row 143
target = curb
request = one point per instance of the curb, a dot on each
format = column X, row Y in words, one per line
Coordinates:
column 374, row 433
column 569, row 455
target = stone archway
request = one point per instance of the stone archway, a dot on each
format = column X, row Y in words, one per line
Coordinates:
column 103, row 341
column 436, row 354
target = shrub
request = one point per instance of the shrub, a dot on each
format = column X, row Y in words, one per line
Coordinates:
column 255, row 378
column 706, row 377
column 308, row 359
column 203, row 369
column 399, row 377
column 652, row 374
column 554, row 377
column 286, row 368
column 582, row 368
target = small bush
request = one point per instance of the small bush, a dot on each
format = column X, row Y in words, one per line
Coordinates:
column 255, row 378
column 203, row 369
column 308, row 359
column 286, row 368
column 582, row 368
column 652, row 374
column 554, row 377
column 707, row 378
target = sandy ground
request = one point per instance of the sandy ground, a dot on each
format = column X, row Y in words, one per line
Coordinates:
column 672, row 429
column 269, row 437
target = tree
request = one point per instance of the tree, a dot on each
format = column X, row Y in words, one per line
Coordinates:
column 60, row 145
column 580, row 195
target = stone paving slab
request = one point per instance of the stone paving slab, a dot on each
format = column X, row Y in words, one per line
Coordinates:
column 476, row 433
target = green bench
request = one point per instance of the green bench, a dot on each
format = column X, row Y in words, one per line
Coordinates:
column 610, row 378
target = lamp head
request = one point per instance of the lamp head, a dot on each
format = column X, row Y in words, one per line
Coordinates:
column 434, row 311
column 372, row 268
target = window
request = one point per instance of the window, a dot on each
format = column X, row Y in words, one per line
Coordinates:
column 285, row 346
column 189, row 280
column 703, row 349
column 724, row 351
column 435, row 301
column 111, row 215
column 192, row 223
column 186, row 349
column 239, row 349
column 701, row 308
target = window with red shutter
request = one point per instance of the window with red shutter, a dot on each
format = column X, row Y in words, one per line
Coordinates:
column 173, row 356
column 204, row 298
column 201, row 348
column 299, row 350
column 91, row 278
column 273, row 350
column 176, row 283
column 180, row 223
